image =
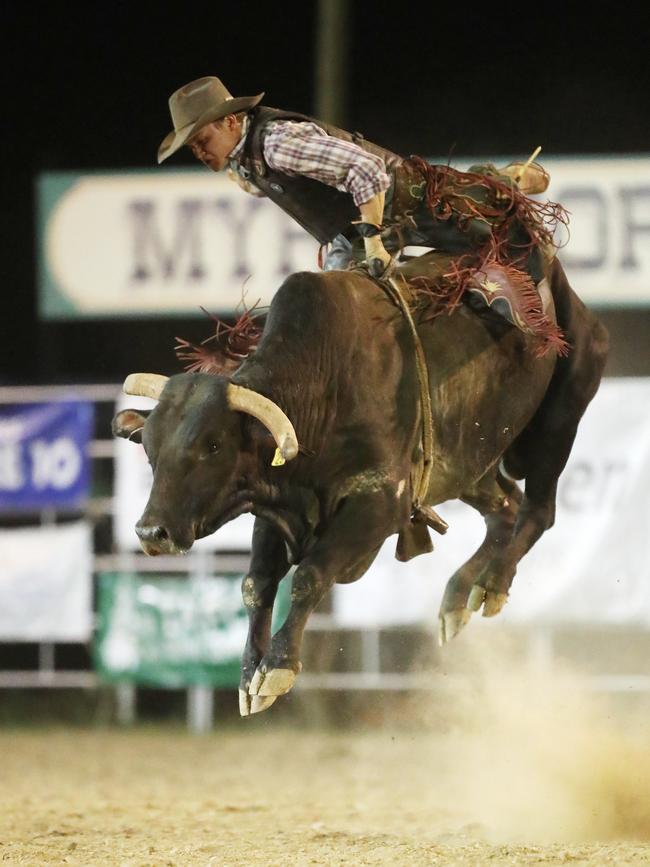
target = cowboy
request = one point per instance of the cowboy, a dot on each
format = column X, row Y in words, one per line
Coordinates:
column 363, row 202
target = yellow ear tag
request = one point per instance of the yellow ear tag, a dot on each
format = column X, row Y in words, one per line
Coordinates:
column 278, row 460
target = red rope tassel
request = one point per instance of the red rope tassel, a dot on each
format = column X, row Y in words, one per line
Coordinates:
column 230, row 344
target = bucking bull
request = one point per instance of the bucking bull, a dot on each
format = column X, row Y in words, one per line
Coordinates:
column 318, row 434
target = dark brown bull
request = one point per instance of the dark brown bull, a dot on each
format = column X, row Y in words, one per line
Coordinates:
column 336, row 363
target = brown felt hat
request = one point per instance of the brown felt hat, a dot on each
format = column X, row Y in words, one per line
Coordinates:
column 196, row 104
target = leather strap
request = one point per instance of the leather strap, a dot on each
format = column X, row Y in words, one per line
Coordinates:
column 421, row 487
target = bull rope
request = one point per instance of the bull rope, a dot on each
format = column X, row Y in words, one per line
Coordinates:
column 420, row 488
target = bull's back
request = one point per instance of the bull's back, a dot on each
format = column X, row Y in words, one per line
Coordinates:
column 485, row 383
column 334, row 354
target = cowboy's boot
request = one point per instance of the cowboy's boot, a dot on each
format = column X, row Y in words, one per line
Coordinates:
column 531, row 178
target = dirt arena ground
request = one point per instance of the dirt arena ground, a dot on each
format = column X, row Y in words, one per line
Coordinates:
column 520, row 773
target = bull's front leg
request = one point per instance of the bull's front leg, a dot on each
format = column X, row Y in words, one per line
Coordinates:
column 269, row 564
column 345, row 550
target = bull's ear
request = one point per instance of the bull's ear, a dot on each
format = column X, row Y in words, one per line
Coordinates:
column 129, row 423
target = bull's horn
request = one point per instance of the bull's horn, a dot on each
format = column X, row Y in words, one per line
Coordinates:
column 269, row 413
column 145, row 384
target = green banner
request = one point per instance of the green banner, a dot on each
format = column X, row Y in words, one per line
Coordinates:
column 174, row 632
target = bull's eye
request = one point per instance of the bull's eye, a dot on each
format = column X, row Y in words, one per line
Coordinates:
column 209, row 449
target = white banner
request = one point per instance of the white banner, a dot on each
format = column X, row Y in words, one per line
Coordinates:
column 171, row 241
column 592, row 566
column 46, row 583
column 163, row 242
column 133, row 479
column 607, row 251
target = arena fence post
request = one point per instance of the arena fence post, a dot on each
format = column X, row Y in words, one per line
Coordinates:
column 125, row 696
column 200, row 706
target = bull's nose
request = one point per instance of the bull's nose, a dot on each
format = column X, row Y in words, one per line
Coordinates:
column 151, row 533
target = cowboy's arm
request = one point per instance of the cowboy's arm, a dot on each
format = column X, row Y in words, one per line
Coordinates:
column 302, row 148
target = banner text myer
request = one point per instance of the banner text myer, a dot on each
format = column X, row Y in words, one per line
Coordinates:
column 161, row 243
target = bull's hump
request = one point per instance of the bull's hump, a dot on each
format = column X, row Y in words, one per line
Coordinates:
column 317, row 302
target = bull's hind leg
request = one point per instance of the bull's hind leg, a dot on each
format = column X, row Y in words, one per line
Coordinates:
column 497, row 499
column 536, row 515
column 540, row 452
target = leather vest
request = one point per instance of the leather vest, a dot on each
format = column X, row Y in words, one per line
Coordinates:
column 321, row 210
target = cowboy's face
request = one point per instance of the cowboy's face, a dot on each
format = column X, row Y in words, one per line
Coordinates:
column 214, row 141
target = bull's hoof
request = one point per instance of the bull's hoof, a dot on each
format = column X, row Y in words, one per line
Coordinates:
column 493, row 604
column 274, row 682
column 450, row 624
column 476, row 598
column 250, row 704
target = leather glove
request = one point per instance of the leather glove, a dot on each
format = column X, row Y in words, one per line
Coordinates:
column 378, row 259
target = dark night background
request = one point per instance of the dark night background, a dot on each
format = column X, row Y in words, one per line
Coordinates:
column 87, row 88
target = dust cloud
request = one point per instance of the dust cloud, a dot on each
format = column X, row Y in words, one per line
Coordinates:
column 534, row 755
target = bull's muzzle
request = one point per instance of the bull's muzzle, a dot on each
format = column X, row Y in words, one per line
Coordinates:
column 155, row 539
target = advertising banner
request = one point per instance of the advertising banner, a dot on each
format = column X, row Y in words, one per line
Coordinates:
column 606, row 250
column 164, row 242
column 173, row 632
column 46, row 583
column 43, row 455
column 160, row 243
column 593, row 566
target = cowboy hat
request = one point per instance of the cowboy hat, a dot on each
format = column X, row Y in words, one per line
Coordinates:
column 196, row 104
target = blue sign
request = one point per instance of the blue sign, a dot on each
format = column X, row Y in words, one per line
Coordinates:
column 44, row 455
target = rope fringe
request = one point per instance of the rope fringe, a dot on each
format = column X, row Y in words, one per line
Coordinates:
column 225, row 350
column 495, row 272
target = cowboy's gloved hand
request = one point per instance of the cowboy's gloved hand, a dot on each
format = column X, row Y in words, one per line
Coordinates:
column 369, row 227
column 378, row 258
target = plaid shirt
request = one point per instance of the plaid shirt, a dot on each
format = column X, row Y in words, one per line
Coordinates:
column 303, row 148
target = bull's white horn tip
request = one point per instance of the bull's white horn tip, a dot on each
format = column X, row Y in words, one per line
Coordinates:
column 145, row 384
column 289, row 448
column 129, row 383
